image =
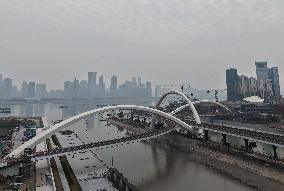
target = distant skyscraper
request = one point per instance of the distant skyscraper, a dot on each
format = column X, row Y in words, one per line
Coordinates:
column 265, row 86
column 127, row 90
column 149, row 89
column 1, row 86
column 92, row 84
column 68, row 89
column 274, row 76
column 7, row 88
column 31, row 90
column 40, row 91
column 14, row 92
column 83, row 89
column 113, row 86
column 134, row 81
column 139, row 81
column 24, row 91
column 232, row 80
column 157, row 91
column 102, row 87
column 268, row 78
column 75, row 89
column 262, row 72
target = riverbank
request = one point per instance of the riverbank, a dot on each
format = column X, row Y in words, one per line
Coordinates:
column 253, row 172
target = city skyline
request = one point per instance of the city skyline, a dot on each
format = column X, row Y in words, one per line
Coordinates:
column 143, row 95
column 182, row 41
column 92, row 87
column 18, row 82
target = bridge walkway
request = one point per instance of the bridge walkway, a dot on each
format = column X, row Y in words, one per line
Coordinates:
column 140, row 137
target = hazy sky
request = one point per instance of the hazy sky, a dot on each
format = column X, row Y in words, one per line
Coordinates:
column 164, row 41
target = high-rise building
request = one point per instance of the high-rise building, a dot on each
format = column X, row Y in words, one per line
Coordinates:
column 24, row 91
column 7, row 88
column 134, row 81
column 1, row 86
column 232, row 80
column 75, row 89
column 31, row 90
column 265, row 86
column 102, row 87
column 148, row 89
column 139, row 81
column 262, row 72
column 158, row 89
column 92, row 84
column 274, row 77
column 83, row 89
column 40, row 91
column 113, row 86
column 68, row 89
column 14, row 91
column 269, row 78
column 127, row 90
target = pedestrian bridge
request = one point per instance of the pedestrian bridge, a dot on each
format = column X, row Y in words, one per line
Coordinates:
column 60, row 126
column 101, row 145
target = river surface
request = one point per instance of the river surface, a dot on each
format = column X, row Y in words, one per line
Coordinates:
column 147, row 166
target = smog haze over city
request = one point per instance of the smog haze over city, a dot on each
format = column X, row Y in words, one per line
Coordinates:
column 164, row 41
column 148, row 95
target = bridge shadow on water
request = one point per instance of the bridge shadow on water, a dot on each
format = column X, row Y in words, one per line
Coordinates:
column 166, row 168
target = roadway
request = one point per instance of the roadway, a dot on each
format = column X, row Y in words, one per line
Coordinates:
column 242, row 132
column 102, row 144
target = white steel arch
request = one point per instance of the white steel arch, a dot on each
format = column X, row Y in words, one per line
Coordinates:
column 57, row 127
column 190, row 104
column 187, row 105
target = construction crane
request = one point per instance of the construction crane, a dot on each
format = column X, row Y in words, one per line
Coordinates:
column 183, row 87
column 216, row 93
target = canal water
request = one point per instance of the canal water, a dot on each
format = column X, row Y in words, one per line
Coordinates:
column 147, row 166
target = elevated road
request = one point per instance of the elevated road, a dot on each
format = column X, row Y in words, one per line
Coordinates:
column 242, row 132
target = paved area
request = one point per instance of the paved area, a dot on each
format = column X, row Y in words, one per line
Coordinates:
column 46, row 124
column 17, row 138
column 44, row 177
column 89, row 169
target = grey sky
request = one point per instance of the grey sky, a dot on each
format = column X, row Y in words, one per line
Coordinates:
column 165, row 41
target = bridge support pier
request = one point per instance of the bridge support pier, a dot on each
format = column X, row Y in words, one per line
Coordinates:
column 119, row 182
column 153, row 122
column 275, row 151
column 246, row 144
column 206, row 136
column 131, row 115
column 224, row 139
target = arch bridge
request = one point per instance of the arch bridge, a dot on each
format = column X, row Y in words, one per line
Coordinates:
column 263, row 137
column 60, row 126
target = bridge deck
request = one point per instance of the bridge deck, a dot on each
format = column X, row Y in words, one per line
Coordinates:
column 144, row 136
column 246, row 133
